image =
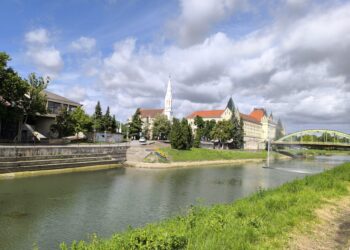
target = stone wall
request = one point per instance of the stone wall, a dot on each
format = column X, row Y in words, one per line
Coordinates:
column 47, row 150
column 33, row 158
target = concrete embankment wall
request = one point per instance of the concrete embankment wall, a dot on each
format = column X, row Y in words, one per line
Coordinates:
column 31, row 151
column 32, row 158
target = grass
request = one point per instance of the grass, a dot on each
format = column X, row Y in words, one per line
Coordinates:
column 263, row 220
column 202, row 154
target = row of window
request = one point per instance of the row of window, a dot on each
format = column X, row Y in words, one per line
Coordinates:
column 55, row 107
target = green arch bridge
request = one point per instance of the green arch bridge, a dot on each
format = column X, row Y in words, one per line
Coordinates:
column 317, row 138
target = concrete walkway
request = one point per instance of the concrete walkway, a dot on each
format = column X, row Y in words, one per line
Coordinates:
column 136, row 153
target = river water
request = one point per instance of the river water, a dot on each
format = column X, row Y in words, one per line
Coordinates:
column 47, row 210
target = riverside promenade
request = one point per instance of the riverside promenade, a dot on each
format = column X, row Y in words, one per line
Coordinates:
column 23, row 158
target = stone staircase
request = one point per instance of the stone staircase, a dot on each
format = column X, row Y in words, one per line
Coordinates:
column 39, row 161
column 137, row 154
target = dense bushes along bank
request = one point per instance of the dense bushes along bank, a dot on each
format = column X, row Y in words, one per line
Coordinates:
column 262, row 220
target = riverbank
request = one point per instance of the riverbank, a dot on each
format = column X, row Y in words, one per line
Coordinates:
column 196, row 157
column 264, row 220
column 203, row 154
column 186, row 164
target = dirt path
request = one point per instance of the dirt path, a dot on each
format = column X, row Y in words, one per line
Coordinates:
column 333, row 231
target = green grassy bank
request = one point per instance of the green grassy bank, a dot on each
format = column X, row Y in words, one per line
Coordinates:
column 261, row 221
column 202, row 154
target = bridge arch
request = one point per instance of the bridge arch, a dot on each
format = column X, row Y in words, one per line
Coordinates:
column 317, row 135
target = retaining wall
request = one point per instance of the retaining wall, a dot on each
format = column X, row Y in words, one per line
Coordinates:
column 47, row 150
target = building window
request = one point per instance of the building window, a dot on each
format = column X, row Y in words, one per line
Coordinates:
column 71, row 108
column 53, row 107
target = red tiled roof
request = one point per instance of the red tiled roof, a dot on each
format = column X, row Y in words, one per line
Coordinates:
column 207, row 113
column 258, row 113
column 151, row 112
column 248, row 118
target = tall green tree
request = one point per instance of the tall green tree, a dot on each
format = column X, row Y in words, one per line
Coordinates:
column 114, row 125
column 64, row 125
column 161, row 127
column 208, row 128
column 240, row 138
column 223, row 131
column 135, row 126
column 98, row 118
column 176, row 134
column 200, row 124
column 236, row 133
column 107, row 121
column 20, row 99
column 187, row 137
column 35, row 100
column 279, row 130
column 12, row 91
column 81, row 121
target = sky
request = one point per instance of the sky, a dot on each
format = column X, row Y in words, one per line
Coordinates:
column 291, row 57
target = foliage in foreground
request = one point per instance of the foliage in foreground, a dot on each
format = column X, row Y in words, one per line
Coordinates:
column 203, row 154
column 260, row 221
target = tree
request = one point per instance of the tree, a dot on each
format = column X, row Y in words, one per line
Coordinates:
column 176, row 134
column 279, row 130
column 12, row 89
column 240, row 138
column 181, row 135
column 186, row 132
column 81, row 121
column 235, row 131
column 199, row 122
column 20, row 99
column 222, row 131
column 161, row 127
column 114, row 124
column 107, row 121
column 98, row 118
column 12, row 92
column 208, row 127
column 35, row 101
column 135, row 126
column 64, row 123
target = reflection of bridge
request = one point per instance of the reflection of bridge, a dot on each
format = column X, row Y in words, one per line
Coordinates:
column 318, row 138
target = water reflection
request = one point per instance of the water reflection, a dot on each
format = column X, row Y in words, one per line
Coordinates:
column 51, row 209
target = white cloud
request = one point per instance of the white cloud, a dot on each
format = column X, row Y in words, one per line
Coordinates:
column 37, row 36
column 44, row 56
column 300, row 73
column 198, row 17
column 84, row 44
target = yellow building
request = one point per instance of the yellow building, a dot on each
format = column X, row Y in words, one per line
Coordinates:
column 258, row 126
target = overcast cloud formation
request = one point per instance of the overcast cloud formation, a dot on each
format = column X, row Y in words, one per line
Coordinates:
column 296, row 63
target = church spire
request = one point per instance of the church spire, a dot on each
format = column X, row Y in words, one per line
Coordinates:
column 168, row 102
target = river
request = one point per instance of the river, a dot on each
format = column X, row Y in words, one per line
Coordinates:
column 47, row 210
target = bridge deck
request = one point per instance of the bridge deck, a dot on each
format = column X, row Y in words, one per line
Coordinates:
column 311, row 143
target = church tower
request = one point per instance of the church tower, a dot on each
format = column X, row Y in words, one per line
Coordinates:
column 168, row 102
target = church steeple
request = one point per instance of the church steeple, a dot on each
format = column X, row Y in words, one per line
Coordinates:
column 168, row 102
